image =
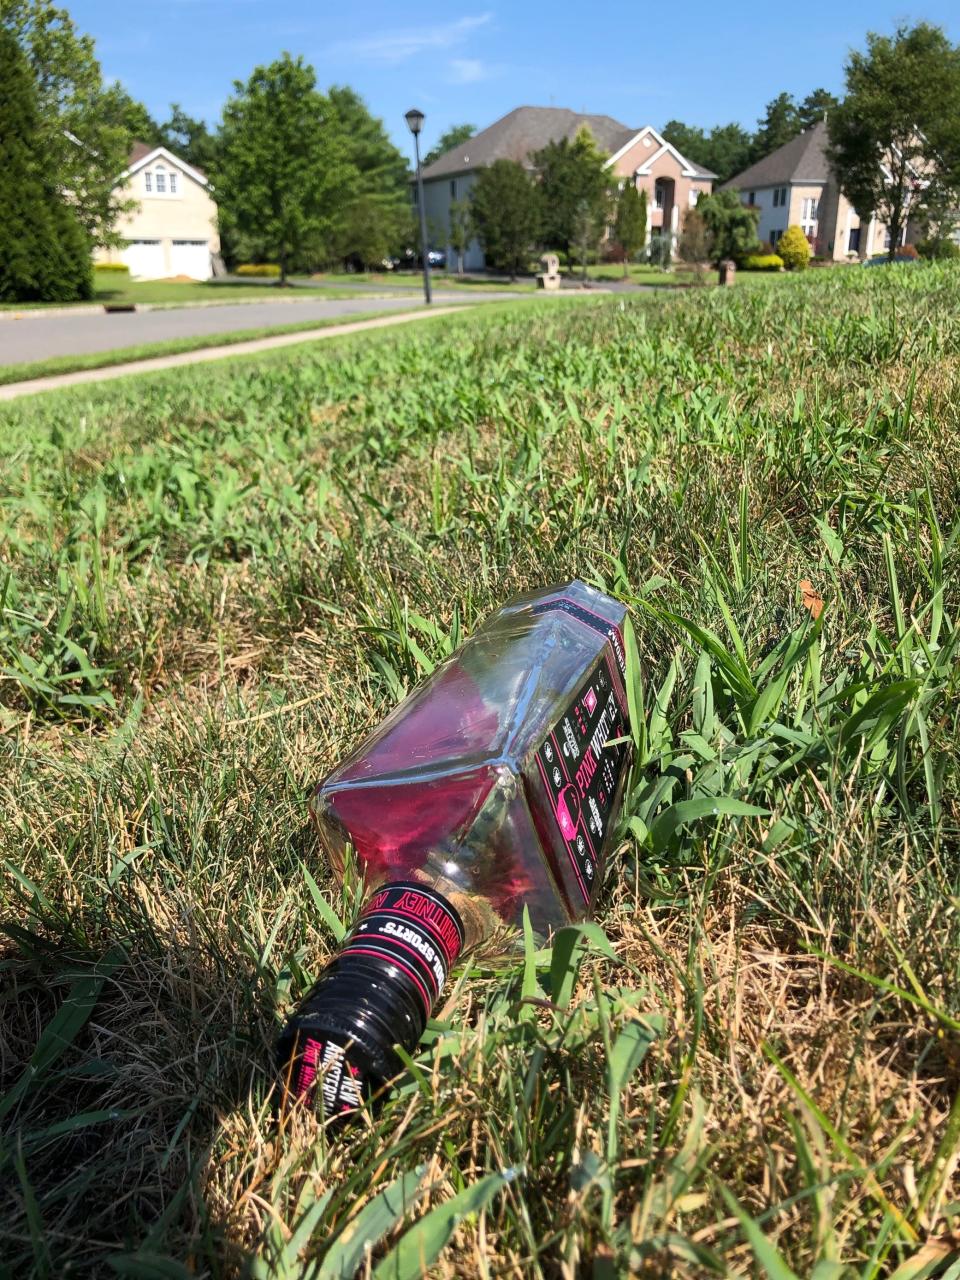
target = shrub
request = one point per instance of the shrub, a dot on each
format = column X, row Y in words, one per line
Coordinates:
column 762, row 262
column 938, row 250
column 794, row 249
column 257, row 269
column 115, row 268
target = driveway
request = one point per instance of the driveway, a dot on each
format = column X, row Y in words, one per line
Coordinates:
column 65, row 335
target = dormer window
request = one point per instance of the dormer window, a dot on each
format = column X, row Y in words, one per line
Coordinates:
column 159, row 180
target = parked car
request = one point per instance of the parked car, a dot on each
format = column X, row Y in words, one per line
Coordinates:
column 881, row 259
column 436, row 258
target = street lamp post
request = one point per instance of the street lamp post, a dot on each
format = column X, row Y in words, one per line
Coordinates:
column 414, row 119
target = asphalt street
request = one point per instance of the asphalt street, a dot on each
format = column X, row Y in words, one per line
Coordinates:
column 65, row 335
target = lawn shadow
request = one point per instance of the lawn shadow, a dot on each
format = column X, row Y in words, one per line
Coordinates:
column 132, row 1046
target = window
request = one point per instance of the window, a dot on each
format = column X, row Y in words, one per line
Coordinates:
column 752, row 199
column 148, row 181
column 811, row 209
column 161, row 178
column 173, row 184
column 775, row 236
column 853, row 241
column 779, row 197
column 453, row 188
column 658, row 194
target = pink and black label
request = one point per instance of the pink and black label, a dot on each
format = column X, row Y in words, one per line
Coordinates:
column 582, row 763
column 323, row 1065
column 413, row 929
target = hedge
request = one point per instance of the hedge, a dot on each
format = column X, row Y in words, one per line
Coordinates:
column 114, row 267
column 257, row 269
column 762, row 262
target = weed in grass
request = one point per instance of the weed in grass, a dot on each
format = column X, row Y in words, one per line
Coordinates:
column 753, row 1067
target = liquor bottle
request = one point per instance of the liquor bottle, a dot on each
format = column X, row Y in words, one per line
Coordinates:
column 493, row 787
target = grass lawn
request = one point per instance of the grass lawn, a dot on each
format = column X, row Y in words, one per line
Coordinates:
column 173, row 346
column 215, row 581
column 414, row 282
column 115, row 287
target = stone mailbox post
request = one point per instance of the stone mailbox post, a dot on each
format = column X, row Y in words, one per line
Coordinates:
column 728, row 272
column 549, row 277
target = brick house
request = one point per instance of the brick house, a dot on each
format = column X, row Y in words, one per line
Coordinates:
column 641, row 156
column 795, row 186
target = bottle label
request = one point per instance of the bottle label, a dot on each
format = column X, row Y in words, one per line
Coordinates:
column 416, row 931
column 340, row 1084
column 582, row 763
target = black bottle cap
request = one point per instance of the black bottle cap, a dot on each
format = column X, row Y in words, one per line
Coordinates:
column 338, row 1048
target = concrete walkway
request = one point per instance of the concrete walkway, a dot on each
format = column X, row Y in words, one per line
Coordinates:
column 16, row 389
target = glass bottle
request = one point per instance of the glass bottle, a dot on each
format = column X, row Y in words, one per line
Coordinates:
column 494, row 786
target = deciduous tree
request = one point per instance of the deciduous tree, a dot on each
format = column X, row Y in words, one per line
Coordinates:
column 895, row 138
column 574, row 191
column 505, row 210
column 453, row 137
column 731, row 226
column 80, row 122
column 189, row 138
column 725, row 151
column 284, row 176
column 376, row 221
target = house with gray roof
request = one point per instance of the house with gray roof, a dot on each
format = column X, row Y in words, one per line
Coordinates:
column 795, row 186
column 642, row 156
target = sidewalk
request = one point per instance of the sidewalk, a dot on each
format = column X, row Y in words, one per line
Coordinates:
column 14, row 390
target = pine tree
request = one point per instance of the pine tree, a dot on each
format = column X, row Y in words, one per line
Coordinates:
column 44, row 253
column 630, row 227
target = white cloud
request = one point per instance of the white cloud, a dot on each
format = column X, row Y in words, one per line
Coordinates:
column 398, row 46
column 466, row 71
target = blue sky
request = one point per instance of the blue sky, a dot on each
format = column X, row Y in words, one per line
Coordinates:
column 699, row 61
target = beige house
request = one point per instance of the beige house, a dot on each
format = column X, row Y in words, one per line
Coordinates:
column 641, row 156
column 795, row 186
column 173, row 230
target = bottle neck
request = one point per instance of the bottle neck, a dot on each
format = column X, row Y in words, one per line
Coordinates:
column 378, row 992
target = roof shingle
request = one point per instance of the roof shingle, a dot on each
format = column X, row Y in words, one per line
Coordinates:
column 521, row 132
column 802, row 159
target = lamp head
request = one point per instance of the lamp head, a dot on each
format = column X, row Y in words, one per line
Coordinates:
column 414, row 119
